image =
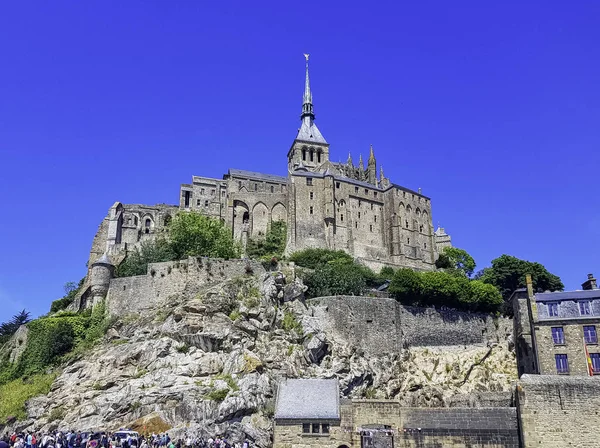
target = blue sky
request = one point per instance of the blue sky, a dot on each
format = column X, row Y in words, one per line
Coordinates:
column 492, row 108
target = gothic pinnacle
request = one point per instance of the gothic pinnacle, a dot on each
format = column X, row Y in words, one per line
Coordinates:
column 307, row 106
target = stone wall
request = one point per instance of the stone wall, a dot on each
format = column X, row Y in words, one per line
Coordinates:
column 379, row 325
column 163, row 281
column 558, row 411
column 411, row 427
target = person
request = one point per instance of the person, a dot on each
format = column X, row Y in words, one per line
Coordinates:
column 4, row 444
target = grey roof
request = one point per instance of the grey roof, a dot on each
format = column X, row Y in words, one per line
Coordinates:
column 567, row 295
column 309, row 132
column 258, row 176
column 308, row 399
column 104, row 260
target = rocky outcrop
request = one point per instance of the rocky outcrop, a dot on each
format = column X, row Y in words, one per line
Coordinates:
column 209, row 363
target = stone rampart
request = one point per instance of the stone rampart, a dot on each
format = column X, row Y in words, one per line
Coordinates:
column 380, row 325
column 163, row 281
column 559, row 411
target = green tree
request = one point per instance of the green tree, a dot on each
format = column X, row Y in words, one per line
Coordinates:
column 406, row 286
column 194, row 234
column 272, row 245
column 336, row 279
column 484, row 297
column 455, row 260
column 316, row 258
column 507, row 273
column 136, row 262
column 7, row 329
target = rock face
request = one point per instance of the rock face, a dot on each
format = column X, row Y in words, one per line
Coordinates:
column 209, row 363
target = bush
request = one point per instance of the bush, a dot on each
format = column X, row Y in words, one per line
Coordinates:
column 272, row 246
column 291, row 323
column 316, row 258
column 136, row 262
column 337, row 279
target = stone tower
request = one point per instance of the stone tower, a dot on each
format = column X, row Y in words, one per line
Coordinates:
column 102, row 272
column 310, row 149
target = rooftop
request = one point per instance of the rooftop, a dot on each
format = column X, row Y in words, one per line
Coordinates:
column 308, row 399
column 567, row 295
column 258, row 176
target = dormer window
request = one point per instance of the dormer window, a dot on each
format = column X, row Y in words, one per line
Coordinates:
column 553, row 309
column 585, row 308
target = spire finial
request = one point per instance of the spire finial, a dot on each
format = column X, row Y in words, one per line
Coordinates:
column 307, row 106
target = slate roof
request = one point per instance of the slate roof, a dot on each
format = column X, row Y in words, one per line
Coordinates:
column 258, row 176
column 309, row 132
column 104, row 260
column 308, row 399
column 567, row 295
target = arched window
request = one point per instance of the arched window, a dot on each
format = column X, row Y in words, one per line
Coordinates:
column 303, row 153
column 147, row 225
column 319, row 156
column 312, row 155
column 342, row 203
column 272, row 189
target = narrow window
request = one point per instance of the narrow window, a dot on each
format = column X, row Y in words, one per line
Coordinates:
column 309, row 181
column 222, row 193
column 553, row 309
column 421, row 228
column 342, row 217
column 595, row 357
column 366, row 191
column 311, row 195
column 202, row 191
column 562, row 364
column 408, row 241
column 371, row 206
column 375, row 218
column 304, row 154
column 358, row 215
column 371, row 227
column 305, row 426
column 135, row 221
column 425, row 245
column 589, row 334
column 272, row 189
column 407, row 223
column 206, row 203
column 404, row 194
column 255, row 187
column 147, row 225
column 240, row 184
column 359, row 203
column 325, row 428
column 584, row 308
column 198, row 202
column 319, row 156
column 312, row 154
column 356, row 190
column 212, row 192
column 558, row 335
column 356, row 224
column 187, row 199
column 315, row 428
column 375, row 193
column 337, row 185
column 311, row 210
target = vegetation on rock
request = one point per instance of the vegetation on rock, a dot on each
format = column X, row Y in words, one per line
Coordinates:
column 14, row 394
column 7, row 329
column 71, row 290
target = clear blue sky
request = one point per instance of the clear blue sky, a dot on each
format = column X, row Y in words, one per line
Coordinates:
column 492, row 109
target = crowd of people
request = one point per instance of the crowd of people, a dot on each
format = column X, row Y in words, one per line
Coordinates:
column 129, row 439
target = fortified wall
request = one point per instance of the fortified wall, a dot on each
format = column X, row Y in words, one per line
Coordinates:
column 163, row 281
column 380, row 325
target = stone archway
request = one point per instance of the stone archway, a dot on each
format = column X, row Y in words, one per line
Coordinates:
column 241, row 218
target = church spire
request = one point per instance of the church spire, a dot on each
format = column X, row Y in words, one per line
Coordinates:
column 307, row 106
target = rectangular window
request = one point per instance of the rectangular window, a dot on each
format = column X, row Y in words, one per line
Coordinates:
column 375, row 193
column 589, row 334
column 366, row 191
column 562, row 363
column 272, row 189
column 558, row 335
column 337, row 185
column 584, row 308
column 206, row 203
column 311, row 210
column 375, row 218
column 325, row 428
column 358, row 215
column 212, row 192
column 311, row 195
column 187, row 199
column 356, row 189
column 355, row 225
column 315, row 428
column 371, row 227
column 255, row 187
column 201, row 190
column 306, row 428
column 342, row 217
column 595, row 363
column 553, row 309
column 198, row 202
column 309, row 181
column 371, row 206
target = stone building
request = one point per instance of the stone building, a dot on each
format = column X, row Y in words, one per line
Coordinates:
column 309, row 413
column 330, row 205
column 556, row 332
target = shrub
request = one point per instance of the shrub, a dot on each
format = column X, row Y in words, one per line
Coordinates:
column 290, row 323
column 272, row 246
column 336, row 279
column 217, row 395
column 316, row 258
column 136, row 262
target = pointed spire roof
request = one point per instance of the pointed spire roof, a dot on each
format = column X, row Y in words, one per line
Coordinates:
column 381, row 176
column 361, row 165
column 371, row 155
column 308, row 130
column 349, row 162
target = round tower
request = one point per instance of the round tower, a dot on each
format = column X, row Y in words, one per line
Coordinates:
column 102, row 272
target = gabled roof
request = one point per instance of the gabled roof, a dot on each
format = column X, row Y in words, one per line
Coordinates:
column 258, row 176
column 308, row 399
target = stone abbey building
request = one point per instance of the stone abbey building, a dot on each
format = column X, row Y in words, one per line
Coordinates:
column 337, row 206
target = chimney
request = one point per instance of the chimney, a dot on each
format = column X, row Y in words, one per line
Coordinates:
column 590, row 283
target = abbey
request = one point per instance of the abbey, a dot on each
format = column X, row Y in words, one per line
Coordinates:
column 340, row 206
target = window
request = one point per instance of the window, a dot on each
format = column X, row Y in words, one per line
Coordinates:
column 309, row 181
column 255, row 187
column 312, row 155
column 306, row 426
column 375, row 218
column 358, row 215
column 425, row 245
column 359, row 203
column 406, row 223
column 337, row 185
column 187, row 198
column 311, row 210
column 201, row 190
column 421, row 228
column 198, row 202
column 589, row 334
column 212, row 192
column 311, row 195
column 584, row 308
column 375, row 193
column 371, row 227
column 562, row 363
column 303, row 154
column 206, row 203
column 553, row 309
column 240, row 184
column 558, row 335
column 147, row 224
column 355, row 225
column 408, row 241
column 319, row 156
column 595, row 357
column 342, row 217
column 325, row 428
column 315, row 426
column 366, row 191
column 356, row 189
column 272, row 189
